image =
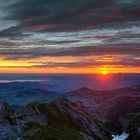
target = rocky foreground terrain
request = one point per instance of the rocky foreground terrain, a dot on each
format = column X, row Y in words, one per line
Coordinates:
column 82, row 114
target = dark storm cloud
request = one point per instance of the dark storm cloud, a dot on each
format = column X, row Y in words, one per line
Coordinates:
column 53, row 11
column 50, row 15
column 29, row 53
column 69, row 15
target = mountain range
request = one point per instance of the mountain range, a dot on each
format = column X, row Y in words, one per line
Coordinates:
column 34, row 113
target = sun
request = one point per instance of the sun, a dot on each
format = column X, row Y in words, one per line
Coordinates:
column 104, row 72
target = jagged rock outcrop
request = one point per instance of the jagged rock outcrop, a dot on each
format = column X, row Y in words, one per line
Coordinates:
column 6, row 114
column 63, row 117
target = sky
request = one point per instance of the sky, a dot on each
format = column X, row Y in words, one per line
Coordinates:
column 69, row 36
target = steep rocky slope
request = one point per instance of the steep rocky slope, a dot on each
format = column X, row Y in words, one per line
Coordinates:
column 119, row 109
column 57, row 120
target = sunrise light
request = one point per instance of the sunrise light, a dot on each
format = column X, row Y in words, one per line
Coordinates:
column 104, row 72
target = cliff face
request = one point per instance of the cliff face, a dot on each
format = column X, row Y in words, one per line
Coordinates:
column 61, row 119
column 119, row 109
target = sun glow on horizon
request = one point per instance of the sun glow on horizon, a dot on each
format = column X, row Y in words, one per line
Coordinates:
column 104, row 72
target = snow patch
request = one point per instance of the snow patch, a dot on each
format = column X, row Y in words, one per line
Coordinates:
column 123, row 136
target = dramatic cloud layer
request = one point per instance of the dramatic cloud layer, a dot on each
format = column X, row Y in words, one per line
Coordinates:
column 32, row 29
